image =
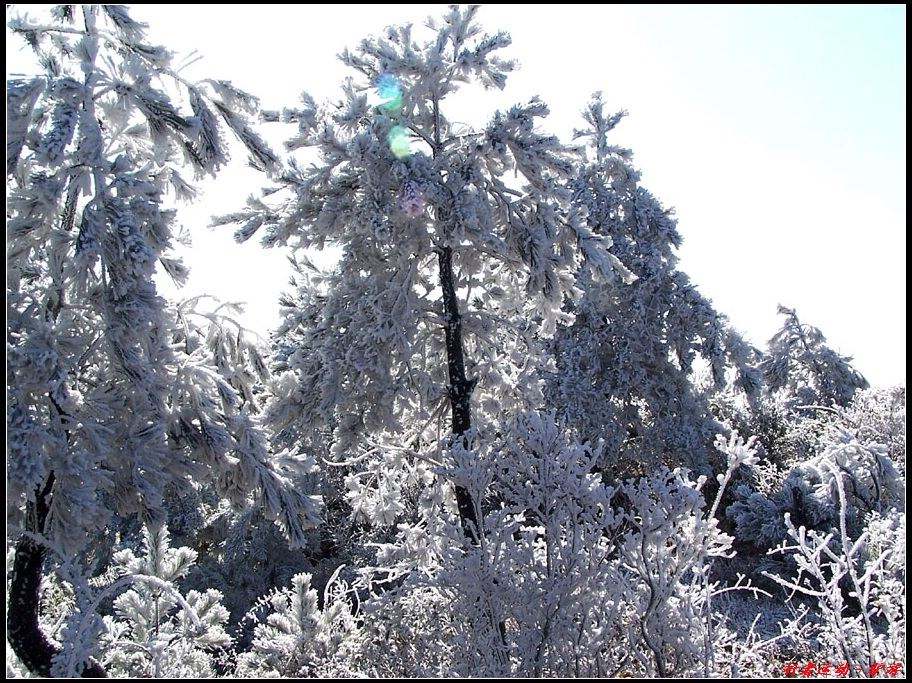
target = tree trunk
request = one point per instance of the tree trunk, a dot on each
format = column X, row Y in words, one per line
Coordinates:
column 460, row 390
column 24, row 634
column 461, row 387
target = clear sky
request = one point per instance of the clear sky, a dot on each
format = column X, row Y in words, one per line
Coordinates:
column 776, row 132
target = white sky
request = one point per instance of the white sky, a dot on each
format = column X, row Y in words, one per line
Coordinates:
column 777, row 133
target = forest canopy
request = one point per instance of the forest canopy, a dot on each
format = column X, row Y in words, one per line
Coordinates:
column 503, row 435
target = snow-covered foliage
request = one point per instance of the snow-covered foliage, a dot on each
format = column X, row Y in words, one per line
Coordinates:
column 800, row 366
column 879, row 415
column 847, row 456
column 156, row 630
column 570, row 576
column 115, row 393
column 298, row 638
column 440, row 248
column 624, row 368
column 523, row 422
column 857, row 582
column 100, row 362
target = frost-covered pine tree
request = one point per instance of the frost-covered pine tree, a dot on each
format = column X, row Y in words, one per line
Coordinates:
column 458, row 247
column 115, row 394
column 157, row 630
column 802, row 369
column 625, row 366
column 297, row 637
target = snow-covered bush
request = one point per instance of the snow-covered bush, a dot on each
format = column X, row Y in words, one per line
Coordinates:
column 665, row 561
column 511, row 601
column 783, row 437
column 156, row 630
column 530, row 595
column 569, row 576
column 879, row 415
column 298, row 637
column 808, row 492
column 245, row 556
column 856, row 583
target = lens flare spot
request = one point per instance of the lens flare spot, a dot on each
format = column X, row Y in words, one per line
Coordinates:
column 400, row 142
column 388, row 87
column 411, row 200
column 389, row 94
column 392, row 106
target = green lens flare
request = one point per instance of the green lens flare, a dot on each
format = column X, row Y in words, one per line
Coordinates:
column 392, row 106
column 400, row 142
column 389, row 90
column 388, row 87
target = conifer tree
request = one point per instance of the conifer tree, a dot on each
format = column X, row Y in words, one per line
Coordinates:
column 458, row 247
column 156, row 630
column 624, row 367
column 801, row 368
column 114, row 393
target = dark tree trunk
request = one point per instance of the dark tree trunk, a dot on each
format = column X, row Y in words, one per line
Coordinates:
column 24, row 634
column 460, row 390
column 461, row 387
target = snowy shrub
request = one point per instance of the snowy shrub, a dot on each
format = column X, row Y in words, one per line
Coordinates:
column 408, row 631
column 156, row 630
column 756, row 636
column 568, row 577
column 665, row 561
column 543, row 553
column 886, row 538
column 524, row 595
column 808, row 493
column 768, row 420
column 879, row 415
column 856, row 582
column 297, row 638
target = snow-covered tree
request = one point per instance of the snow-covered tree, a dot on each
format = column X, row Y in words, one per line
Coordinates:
column 113, row 393
column 802, row 369
column 848, row 457
column 450, row 263
column 157, row 630
column 298, row 637
column 624, row 367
